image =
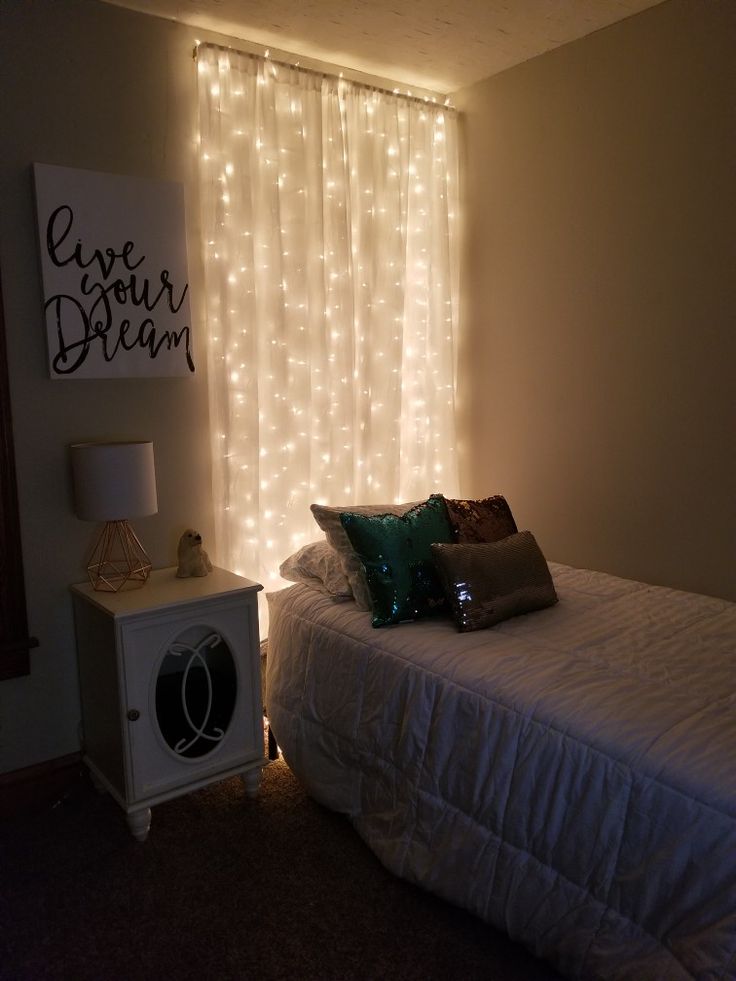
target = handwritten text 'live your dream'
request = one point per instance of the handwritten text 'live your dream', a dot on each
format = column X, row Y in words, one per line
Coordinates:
column 108, row 282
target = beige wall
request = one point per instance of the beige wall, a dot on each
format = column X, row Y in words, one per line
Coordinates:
column 92, row 86
column 599, row 344
column 598, row 361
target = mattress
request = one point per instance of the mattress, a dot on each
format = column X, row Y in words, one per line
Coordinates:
column 569, row 775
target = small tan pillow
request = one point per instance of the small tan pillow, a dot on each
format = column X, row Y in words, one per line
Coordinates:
column 488, row 582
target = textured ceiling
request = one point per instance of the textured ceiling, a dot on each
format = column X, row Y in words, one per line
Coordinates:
column 434, row 44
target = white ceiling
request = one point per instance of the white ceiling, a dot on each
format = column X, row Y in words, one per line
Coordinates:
column 439, row 45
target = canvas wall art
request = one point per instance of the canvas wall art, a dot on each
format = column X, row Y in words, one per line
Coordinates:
column 114, row 271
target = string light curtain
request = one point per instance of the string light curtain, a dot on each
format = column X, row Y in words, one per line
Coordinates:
column 330, row 280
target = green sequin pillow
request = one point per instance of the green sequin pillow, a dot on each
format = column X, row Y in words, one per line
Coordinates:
column 396, row 554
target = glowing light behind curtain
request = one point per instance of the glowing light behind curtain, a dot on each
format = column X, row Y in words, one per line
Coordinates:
column 328, row 211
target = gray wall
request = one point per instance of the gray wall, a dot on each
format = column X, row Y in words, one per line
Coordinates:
column 599, row 339
column 92, row 86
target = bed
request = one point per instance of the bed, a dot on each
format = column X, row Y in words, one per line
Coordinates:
column 568, row 775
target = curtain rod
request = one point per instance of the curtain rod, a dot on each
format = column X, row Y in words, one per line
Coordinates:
column 427, row 100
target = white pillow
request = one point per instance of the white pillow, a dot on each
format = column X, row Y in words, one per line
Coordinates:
column 318, row 565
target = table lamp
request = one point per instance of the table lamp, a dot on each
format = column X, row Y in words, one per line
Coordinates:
column 112, row 483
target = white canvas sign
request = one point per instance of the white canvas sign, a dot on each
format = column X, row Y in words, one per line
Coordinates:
column 114, row 268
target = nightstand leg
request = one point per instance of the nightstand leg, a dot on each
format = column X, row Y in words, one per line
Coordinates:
column 139, row 822
column 251, row 782
column 97, row 783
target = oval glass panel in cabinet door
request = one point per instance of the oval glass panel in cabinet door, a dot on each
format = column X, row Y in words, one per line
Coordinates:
column 196, row 689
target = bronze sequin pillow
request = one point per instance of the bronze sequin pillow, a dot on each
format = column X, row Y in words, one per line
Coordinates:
column 487, row 520
column 488, row 582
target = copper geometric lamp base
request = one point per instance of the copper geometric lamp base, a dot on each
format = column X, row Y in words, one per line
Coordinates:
column 118, row 559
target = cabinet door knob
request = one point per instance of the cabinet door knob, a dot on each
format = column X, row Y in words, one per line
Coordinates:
column 134, row 715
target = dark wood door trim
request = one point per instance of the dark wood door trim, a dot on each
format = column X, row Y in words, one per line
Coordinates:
column 15, row 641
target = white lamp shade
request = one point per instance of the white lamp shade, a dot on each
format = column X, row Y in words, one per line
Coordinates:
column 113, row 481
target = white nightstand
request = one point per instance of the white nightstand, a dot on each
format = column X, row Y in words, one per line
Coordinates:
column 170, row 680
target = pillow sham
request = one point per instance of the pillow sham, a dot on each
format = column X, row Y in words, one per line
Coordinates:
column 396, row 554
column 485, row 520
column 328, row 519
column 487, row 582
column 318, row 565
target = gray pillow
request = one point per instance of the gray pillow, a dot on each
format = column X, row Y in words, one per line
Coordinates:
column 488, row 582
column 328, row 518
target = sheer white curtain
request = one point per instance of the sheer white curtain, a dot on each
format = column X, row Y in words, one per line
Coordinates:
column 328, row 211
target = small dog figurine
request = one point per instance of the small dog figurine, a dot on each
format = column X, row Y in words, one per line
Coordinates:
column 193, row 560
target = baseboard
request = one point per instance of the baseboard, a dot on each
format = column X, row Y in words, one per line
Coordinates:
column 34, row 787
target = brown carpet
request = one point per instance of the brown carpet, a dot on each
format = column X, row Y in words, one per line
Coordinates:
column 225, row 888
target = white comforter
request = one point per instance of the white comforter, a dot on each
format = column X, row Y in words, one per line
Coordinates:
column 568, row 776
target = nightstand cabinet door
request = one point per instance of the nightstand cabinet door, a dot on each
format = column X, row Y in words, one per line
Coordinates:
column 192, row 696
